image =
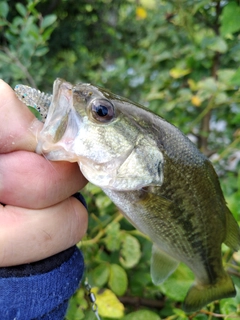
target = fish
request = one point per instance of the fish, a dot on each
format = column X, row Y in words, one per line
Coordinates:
column 154, row 174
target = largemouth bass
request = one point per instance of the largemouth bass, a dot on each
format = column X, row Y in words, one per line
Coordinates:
column 157, row 177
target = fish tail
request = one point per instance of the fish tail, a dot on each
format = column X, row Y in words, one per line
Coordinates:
column 200, row 295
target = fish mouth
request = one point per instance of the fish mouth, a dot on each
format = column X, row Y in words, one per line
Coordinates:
column 56, row 139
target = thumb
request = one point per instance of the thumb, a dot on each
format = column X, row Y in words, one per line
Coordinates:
column 19, row 127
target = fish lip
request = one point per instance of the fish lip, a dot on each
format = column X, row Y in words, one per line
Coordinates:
column 57, row 153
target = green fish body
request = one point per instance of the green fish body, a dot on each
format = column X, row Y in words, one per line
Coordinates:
column 161, row 182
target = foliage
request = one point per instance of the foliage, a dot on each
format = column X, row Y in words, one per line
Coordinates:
column 180, row 59
column 23, row 41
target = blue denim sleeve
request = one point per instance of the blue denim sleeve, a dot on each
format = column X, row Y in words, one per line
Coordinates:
column 41, row 290
column 43, row 295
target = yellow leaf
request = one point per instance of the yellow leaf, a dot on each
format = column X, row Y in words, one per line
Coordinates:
column 192, row 84
column 108, row 304
column 150, row 4
column 236, row 256
column 196, row 101
column 179, row 73
column 141, row 13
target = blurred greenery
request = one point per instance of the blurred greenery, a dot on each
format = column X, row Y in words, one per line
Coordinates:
column 180, row 58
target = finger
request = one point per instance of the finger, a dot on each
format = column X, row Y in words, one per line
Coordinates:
column 19, row 126
column 29, row 180
column 30, row 235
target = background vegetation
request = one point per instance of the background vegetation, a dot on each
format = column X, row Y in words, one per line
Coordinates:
column 181, row 59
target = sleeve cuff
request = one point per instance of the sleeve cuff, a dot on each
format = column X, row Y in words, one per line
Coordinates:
column 41, row 296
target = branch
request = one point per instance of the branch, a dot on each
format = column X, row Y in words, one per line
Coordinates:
column 217, row 315
column 20, row 65
column 100, row 234
column 137, row 302
column 205, row 124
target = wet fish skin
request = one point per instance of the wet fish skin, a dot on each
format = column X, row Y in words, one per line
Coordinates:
column 164, row 186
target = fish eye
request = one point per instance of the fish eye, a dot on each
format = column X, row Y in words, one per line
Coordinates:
column 102, row 110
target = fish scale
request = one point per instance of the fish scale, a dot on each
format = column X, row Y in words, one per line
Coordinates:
column 157, row 177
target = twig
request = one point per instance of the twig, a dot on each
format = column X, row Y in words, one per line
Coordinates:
column 227, row 149
column 234, row 273
column 20, row 65
column 232, row 266
column 100, row 234
column 138, row 301
column 217, row 315
column 208, row 108
column 139, row 233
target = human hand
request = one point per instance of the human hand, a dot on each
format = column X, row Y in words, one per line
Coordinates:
column 40, row 218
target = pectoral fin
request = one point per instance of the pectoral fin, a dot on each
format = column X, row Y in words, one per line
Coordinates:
column 162, row 265
column 233, row 232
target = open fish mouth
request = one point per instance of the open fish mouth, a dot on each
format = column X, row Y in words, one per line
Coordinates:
column 61, row 127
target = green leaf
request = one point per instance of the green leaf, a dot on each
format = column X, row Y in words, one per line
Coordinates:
column 201, row 317
column 218, row 44
column 4, row 58
column 225, row 75
column 101, row 274
column 230, row 19
column 112, row 239
column 233, row 203
column 103, row 201
column 221, row 98
column 142, row 315
column 236, row 78
column 179, row 73
column 199, row 5
column 139, row 280
column 4, row 8
column 229, row 307
column 41, row 51
column 3, row 22
column 17, row 71
column 89, row 315
column 74, row 311
column 130, row 252
column 181, row 314
column 47, row 33
column 48, row 21
column 17, row 23
column 177, row 285
column 209, row 85
column 118, row 281
column 21, row 9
